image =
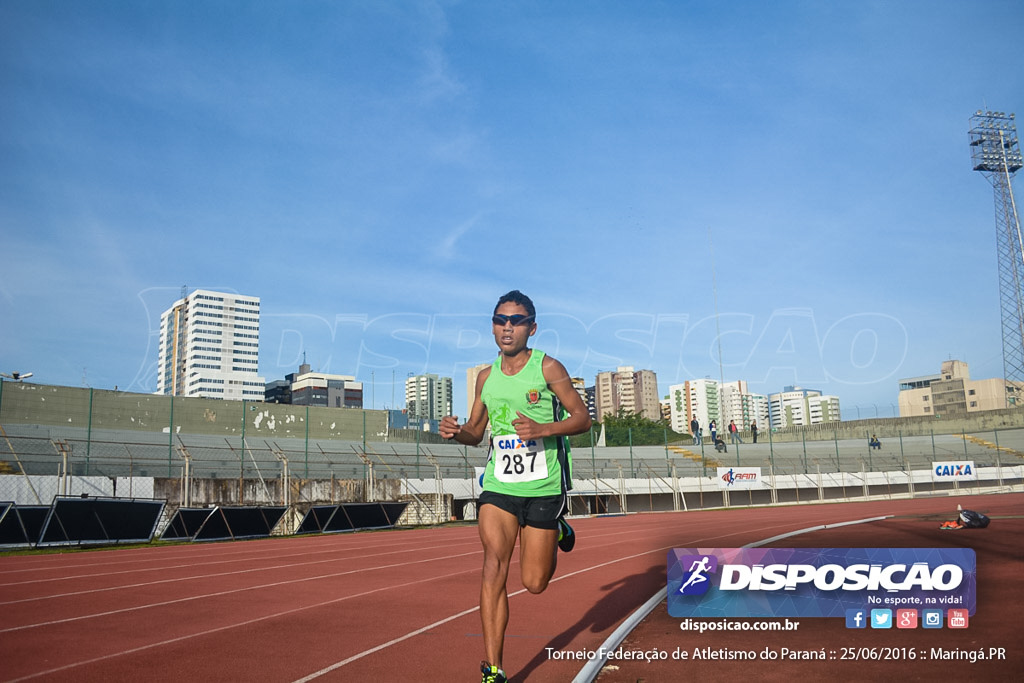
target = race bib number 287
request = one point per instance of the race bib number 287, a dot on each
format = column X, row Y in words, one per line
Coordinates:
column 517, row 461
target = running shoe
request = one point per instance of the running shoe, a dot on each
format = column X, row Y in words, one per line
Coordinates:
column 566, row 536
column 492, row 674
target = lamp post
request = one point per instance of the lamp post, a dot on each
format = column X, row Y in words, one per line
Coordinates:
column 16, row 376
column 995, row 153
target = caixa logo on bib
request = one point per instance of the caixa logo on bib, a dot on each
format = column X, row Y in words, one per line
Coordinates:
column 816, row 582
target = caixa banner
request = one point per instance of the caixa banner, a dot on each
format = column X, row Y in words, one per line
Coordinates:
column 817, row 582
column 959, row 470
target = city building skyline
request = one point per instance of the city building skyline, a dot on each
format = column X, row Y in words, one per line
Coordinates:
column 796, row 406
column 428, row 398
column 952, row 392
column 628, row 390
column 308, row 388
column 209, row 347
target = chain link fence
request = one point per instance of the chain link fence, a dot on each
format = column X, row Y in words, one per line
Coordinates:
column 72, row 441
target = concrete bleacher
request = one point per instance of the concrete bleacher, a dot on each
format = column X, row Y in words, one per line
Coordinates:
column 118, row 453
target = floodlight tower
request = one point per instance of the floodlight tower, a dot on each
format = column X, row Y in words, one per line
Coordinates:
column 995, row 152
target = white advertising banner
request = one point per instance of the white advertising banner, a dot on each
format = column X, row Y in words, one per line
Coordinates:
column 740, row 478
column 954, row 470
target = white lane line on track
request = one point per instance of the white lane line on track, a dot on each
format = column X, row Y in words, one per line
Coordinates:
column 249, row 557
column 194, row 577
column 630, row 532
column 228, row 592
column 415, row 549
column 171, row 641
column 198, row 577
column 335, row 546
column 411, row 634
column 593, row 667
column 292, row 581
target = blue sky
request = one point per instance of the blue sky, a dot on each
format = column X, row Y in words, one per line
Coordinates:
column 378, row 173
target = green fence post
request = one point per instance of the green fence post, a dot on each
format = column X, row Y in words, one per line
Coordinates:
column 170, row 438
column 307, row 442
column 903, row 455
column 871, row 464
column 668, row 463
column 88, row 435
column 835, row 436
column 593, row 462
column 703, row 459
column 243, row 438
column 803, row 437
column 632, row 472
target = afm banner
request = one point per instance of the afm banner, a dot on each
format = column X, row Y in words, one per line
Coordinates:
column 817, row 582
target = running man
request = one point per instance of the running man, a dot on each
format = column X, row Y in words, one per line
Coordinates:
column 697, row 571
column 531, row 406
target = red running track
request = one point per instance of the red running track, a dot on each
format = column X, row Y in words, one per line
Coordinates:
column 377, row 606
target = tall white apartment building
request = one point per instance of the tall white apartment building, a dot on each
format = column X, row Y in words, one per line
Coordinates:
column 678, row 407
column 743, row 407
column 628, row 390
column 707, row 399
column 209, row 347
column 795, row 407
column 698, row 398
column 823, row 409
column 428, row 397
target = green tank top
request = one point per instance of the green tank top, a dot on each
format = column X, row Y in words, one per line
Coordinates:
column 514, row 467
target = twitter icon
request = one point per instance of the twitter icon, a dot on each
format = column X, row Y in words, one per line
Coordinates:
column 881, row 618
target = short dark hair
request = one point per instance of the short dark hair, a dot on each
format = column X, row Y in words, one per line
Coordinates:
column 517, row 297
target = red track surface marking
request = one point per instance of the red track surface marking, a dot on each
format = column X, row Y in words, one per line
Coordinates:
column 349, row 607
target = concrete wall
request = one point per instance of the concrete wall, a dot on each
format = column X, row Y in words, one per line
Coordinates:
column 269, row 491
column 42, row 404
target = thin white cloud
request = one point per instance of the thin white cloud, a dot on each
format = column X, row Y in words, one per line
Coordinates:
column 448, row 248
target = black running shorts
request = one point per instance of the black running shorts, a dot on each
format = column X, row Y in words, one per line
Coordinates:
column 542, row 512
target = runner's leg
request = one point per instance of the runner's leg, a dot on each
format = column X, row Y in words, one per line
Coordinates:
column 498, row 531
column 538, row 557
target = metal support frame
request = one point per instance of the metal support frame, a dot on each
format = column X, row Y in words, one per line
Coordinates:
column 995, row 153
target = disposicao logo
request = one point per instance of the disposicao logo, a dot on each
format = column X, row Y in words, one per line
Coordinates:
column 822, row 582
column 696, row 580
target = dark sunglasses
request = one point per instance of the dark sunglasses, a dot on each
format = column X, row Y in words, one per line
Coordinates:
column 516, row 320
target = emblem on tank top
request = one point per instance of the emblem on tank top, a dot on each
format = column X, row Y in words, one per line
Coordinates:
column 533, row 397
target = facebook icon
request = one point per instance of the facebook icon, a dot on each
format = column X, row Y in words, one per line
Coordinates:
column 856, row 618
